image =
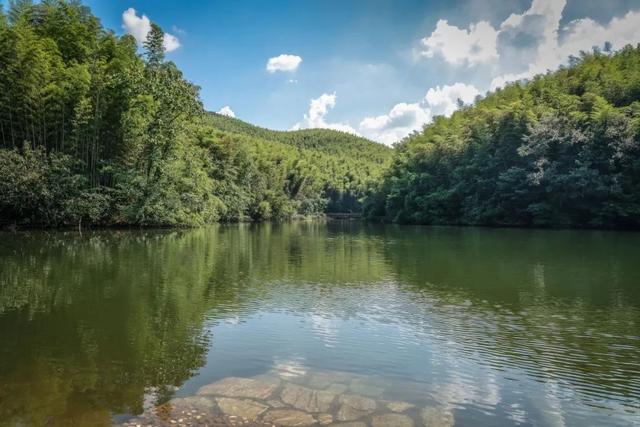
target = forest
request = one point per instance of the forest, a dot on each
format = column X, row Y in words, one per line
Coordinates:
column 560, row 150
column 93, row 132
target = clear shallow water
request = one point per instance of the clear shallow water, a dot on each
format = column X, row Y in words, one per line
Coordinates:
column 495, row 327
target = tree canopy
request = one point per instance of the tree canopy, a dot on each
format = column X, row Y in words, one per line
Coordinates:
column 92, row 131
column 561, row 150
column 95, row 130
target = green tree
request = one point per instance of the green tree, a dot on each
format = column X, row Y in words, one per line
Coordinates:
column 154, row 46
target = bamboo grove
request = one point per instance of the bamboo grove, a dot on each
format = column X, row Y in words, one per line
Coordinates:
column 561, row 150
column 95, row 129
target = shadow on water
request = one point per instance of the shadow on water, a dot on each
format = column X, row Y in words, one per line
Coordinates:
column 500, row 327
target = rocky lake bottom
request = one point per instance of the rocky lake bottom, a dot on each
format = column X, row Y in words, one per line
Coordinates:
column 286, row 399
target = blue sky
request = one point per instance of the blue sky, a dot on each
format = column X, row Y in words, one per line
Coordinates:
column 379, row 68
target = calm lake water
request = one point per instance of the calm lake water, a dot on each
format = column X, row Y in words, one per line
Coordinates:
column 491, row 327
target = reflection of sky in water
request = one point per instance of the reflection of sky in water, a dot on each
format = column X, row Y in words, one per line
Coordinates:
column 430, row 349
column 325, row 328
column 490, row 326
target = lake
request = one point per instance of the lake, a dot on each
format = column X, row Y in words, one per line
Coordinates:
column 332, row 321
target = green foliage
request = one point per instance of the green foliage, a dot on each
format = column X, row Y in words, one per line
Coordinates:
column 327, row 170
column 561, row 150
column 44, row 189
column 324, row 140
column 92, row 132
column 154, row 45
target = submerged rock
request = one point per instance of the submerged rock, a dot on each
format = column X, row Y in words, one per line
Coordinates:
column 289, row 370
column 354, row 407
column 268, row 378
column 350, row 424
column 288, row 418
column 392, row 420
column 239, row 387
column 337, row 388
column 325, row 419
column 323, row 380
column 398, row 406
column 436, row 417
column 307, row 399
column 200, row 402
column 367, row 387
column 274, row 403
column 358, row 402
column 176, row 413
column 243, row 408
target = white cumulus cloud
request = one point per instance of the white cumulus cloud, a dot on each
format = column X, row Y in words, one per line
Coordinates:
column 457, row 45
column 583, row 34
column 579, row 35
column 399, row 122
column 315, row 117
column 170, row 42
column 404, row 118
column 444, row 100
column 528, row 43
column 523, row 45
column 284, row 63
column 227, row 111
column 140, row 26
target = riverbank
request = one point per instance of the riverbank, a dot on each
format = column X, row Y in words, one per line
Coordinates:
column 121, row 226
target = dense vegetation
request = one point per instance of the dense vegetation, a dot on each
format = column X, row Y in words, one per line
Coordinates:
column 331, row 170
column 324, row 140
column 560, row 150
column 92, row 132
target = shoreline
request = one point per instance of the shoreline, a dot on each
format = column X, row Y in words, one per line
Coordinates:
column 309, row 218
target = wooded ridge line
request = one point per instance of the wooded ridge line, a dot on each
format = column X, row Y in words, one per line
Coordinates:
column 91, row 132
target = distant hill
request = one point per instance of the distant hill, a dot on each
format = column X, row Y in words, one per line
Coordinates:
column 325, row 140
column 345, row 166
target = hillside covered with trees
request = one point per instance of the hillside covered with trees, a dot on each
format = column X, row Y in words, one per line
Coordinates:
column 561, row 150
column 93, row 132
column 339, row 167
column 324, row 140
